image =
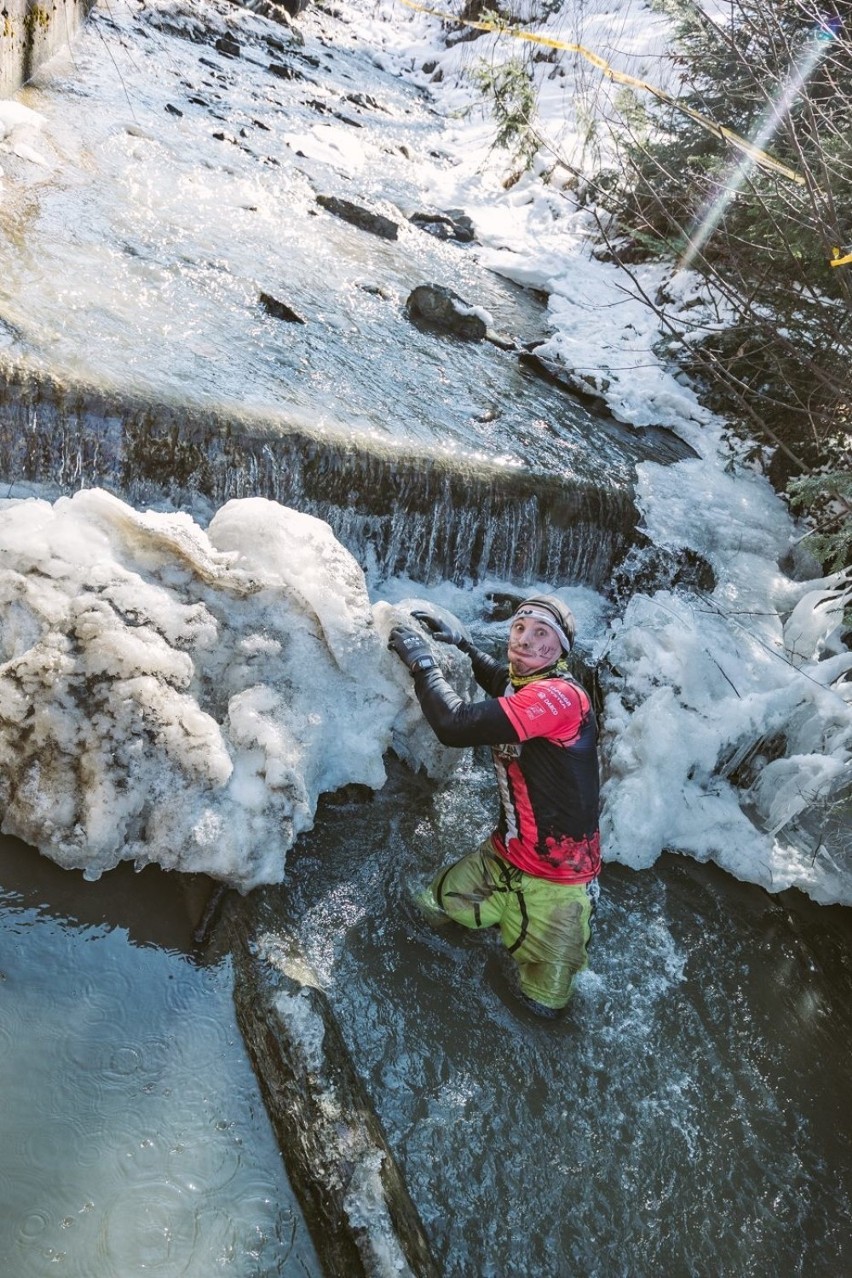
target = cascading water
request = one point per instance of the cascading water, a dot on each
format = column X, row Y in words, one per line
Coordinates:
column 402, row 511
column 678, row 1120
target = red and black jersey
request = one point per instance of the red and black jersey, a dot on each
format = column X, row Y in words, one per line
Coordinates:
column 544, row 742
column 549, row 782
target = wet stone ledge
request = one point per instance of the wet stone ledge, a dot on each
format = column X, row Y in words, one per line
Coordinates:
column 351, row 1190
column 30, row 33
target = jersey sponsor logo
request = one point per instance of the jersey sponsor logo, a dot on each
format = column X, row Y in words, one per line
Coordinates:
column 534, row 712
column 553, row 700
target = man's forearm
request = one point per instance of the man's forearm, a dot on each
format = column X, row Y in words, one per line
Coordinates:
column 457, row 722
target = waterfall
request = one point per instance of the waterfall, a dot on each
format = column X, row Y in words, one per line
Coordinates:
column 425, row 514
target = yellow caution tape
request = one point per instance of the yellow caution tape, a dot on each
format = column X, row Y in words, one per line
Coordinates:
column 760, row 158
column 837, row 260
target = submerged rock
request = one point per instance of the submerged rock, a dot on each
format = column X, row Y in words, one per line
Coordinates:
column 279, row 310
column 436, row 307
column 356, row 215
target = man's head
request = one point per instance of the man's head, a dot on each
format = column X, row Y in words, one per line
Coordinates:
column 542, row 630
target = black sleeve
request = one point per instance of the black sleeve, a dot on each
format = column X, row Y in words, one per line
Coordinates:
column 491, row 675
column 456, row 722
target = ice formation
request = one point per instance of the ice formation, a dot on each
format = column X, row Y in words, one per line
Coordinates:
column 181, row 696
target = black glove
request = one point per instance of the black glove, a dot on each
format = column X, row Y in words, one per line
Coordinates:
column 411, row 648
column 440, row 630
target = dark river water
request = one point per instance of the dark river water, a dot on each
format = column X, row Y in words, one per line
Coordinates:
column 689, row 1116
column 134, row 1139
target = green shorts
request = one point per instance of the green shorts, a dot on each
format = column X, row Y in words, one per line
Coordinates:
column 545, row 926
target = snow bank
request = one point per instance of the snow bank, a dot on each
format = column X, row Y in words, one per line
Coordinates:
column 183, row 697
column 728, row 716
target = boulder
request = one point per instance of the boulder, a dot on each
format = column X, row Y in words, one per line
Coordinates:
column 438, row 309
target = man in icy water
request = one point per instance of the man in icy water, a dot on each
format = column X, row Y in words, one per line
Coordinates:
column 535, row 876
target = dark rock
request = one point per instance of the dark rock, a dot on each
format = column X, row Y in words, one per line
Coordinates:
column 227, row 45
column 558, row 375
column 500, row 340
column 667, row 446
column 347, row 795
column 647, row 568
column 356, row 215
column 500, row 604
column 438, row 309
column 463, row 225
column 451, row 225
column 365, row 100
column 279, row 310
column 280, row 11
column 628, row 251
column 323, row 108
column 376, row 290
column 285, row 72
column 173, row 110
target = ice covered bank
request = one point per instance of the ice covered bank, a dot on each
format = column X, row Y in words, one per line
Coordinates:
column 729, row 714
column 728, row 734
column 182, row 696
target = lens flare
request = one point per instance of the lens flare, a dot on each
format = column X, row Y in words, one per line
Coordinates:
column 813, row 51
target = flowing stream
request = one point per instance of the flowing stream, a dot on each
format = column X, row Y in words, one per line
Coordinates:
column 689, row 1116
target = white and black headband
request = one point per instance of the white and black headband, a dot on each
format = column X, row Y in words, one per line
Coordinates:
column 540, row 612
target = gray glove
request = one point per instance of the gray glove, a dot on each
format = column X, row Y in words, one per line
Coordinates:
column 441, row 631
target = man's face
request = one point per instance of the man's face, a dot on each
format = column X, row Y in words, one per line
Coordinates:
column 532, row 645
